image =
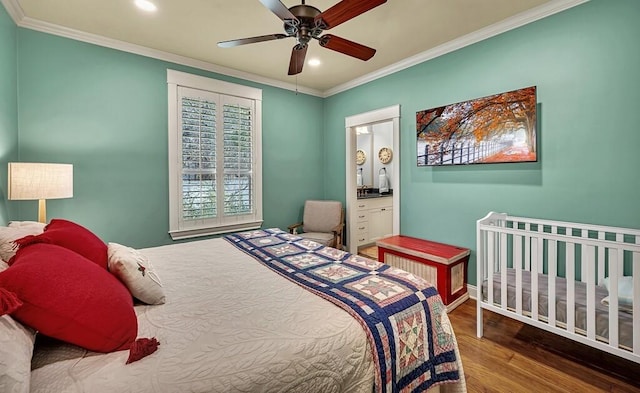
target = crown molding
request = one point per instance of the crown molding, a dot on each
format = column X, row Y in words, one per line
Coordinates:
column 495, row 29
column 13, row 9
column 17, row 14
column 26, row 22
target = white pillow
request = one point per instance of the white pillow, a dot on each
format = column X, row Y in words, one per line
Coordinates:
column 9, row 234
column 625, row 289
column 621, row 306
column 625, row 293
column 16, row 349
column 35, row 225
column 136, row 272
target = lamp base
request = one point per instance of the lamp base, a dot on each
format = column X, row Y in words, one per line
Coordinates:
column 42, row 211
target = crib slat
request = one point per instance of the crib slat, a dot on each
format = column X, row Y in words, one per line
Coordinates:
column 527, row 253
column 571, row 287
column 517, row 250
column 591, row 292
column 583, row 264
column 615, row 265
column 536, row 249
column 635, row 270
column 480, row 277
column 491, row 244
column 551, row 276
column 620, row 239
column 503, row 270
column 601, row 251
column 540, row 256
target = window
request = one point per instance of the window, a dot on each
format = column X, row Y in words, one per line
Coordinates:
column 215, row 175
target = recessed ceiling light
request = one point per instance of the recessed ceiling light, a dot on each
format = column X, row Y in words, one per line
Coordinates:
column 146, row 5
column 314, row 62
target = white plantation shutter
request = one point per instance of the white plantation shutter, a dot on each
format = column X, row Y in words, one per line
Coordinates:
column 198, row 127
column 238, row 149
column 214, row 151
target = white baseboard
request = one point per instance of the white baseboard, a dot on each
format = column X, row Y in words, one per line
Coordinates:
column 473, row 291
column 457, row 302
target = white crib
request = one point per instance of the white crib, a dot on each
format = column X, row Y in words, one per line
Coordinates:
column 552, row 271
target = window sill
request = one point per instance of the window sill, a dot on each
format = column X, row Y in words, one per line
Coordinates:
column 180, row 234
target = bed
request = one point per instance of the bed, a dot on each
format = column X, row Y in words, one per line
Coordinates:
column 576, row 280
column 229, row 324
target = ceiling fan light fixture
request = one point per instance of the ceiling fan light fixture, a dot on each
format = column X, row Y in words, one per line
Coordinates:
column 314, row 62
column 146, row 5
column 304, row 23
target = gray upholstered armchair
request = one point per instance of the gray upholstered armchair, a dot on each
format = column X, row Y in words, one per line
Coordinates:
column 323, row 222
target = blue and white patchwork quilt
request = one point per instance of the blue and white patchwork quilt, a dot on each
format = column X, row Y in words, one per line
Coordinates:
column 405, row 320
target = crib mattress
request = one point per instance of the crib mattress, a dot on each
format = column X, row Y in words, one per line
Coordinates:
column 625, row 320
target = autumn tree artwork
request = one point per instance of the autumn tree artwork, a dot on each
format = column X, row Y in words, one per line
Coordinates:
column 497, row 128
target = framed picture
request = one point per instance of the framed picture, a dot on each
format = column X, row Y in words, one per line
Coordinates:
column 492, row 129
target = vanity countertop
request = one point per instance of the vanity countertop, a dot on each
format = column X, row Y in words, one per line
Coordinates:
column 373, row 193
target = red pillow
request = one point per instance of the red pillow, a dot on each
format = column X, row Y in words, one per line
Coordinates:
column 73, row 237
column 65, row 297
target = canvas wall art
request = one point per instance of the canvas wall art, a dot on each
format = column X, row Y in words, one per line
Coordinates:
column 492, row 129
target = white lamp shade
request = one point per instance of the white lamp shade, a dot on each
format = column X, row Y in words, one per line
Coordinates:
column 29, row 181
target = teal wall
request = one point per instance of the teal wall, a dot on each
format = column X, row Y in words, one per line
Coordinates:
column 584, row 62
column 105, row 112
column 8, row 109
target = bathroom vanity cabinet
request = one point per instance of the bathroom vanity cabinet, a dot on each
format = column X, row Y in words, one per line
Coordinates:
column 374, row 219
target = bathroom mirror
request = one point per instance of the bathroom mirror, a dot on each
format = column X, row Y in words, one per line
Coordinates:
column 364, row 157
column 374, row 155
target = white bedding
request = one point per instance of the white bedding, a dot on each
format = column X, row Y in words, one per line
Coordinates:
column 229, row 325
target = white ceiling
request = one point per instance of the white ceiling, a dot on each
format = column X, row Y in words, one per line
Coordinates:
column 404, row 32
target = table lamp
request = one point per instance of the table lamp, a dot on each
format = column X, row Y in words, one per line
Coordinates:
column 41, row 181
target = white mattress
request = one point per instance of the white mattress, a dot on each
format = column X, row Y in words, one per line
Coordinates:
column 229, row 325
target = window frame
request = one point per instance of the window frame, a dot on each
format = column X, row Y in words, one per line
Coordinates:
column 177, row 230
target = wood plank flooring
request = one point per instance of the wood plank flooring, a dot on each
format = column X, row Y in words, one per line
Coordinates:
column 514, row 357
column 369, row 252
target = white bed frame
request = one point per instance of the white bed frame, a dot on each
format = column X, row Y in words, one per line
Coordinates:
column 531, row 244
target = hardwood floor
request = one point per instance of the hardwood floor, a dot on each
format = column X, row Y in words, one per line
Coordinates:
column 369, row 252
column 514, row 357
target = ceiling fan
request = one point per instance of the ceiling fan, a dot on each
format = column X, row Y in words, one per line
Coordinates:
column 304, row 22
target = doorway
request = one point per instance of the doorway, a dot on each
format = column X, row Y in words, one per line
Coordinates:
column 383, row 156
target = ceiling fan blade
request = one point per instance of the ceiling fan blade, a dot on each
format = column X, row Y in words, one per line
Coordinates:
column 251, row 40
column 297, row 59
column 279, row 9
column 347, row 47
column 345, row 10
